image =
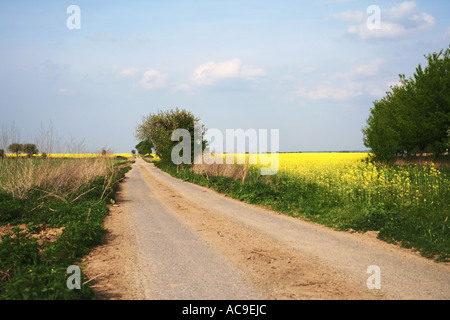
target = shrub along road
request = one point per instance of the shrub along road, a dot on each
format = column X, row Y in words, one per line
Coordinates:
column 170, row 239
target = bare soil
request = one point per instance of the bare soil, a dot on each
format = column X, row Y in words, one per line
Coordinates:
column 44, row 233
column 111, row 265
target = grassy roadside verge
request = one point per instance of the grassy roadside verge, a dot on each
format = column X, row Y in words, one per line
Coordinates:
column 45, row 230
column 424, row 230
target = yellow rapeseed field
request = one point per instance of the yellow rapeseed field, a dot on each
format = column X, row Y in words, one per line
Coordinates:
column 349, row 175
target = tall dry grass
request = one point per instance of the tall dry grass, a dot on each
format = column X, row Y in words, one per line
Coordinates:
column 57, row 177
column 235, row 171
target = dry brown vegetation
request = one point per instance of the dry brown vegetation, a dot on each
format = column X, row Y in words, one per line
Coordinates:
column 235, row 171
column 62, row 176
column 57, row 177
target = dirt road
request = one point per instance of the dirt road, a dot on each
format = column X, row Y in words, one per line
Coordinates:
column 169, row 239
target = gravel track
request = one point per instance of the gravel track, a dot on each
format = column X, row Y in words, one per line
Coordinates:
column 170, row 239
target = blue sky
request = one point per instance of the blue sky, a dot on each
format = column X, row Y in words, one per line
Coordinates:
column 311, row 69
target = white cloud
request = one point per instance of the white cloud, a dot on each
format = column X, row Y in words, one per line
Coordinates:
column 387, row 30
column 211, row 72
column 395, row 22
column 149, row 80
column 153, row 79
column 329, row 90
column 129, row 73
column 362, row 79
column 364, row 70
column 403, row 11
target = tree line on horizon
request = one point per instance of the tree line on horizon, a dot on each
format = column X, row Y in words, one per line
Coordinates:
column 28, row 148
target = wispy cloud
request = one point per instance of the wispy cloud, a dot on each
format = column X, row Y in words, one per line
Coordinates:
column 361, row 79
column 329, row 90
column 129, row 73
column 212, row 72
column 363, row 70
column 148, row 80
column 153, row 79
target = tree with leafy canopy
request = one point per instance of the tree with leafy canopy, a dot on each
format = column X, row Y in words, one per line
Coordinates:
column 144, row 147
column 30, row 149
column 158, row 129
column 15, row 148
column 413, row 117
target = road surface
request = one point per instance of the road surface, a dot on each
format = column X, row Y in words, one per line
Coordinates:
column 171, row 239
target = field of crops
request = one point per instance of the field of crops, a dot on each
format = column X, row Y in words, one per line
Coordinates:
column 350, row 177
column 353, row 179
column 408, row 204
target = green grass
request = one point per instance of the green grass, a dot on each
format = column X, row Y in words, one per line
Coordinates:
column 422, row 228
column 37, row 270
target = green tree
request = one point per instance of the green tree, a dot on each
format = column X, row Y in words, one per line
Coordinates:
column 432, row 97
column 2, row 153
column 30, row 149
column 158, row 129
column 413, row 117
column 379, row 135
column 15, row 148
column 144, row 147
